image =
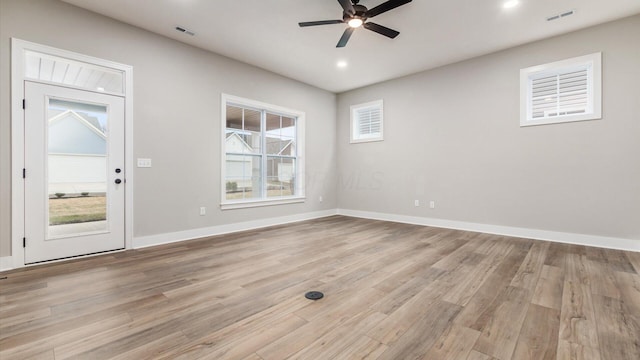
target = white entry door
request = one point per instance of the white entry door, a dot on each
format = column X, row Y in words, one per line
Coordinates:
column 74, row 172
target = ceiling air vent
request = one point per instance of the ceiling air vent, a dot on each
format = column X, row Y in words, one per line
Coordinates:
column 183, row 30
column 561, row 15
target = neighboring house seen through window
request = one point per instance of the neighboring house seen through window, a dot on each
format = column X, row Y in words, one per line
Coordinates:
column 262, row 154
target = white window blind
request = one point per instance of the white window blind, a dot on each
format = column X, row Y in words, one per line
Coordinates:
column 369, row 121
column 563, row 91
column 366, row 122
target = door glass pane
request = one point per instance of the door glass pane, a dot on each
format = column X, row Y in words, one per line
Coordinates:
column 76, row 168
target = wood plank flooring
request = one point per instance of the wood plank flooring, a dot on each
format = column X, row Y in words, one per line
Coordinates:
column 392, row 291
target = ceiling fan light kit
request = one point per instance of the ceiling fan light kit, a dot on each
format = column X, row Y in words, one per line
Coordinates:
column 355, row 16
column 355, row 22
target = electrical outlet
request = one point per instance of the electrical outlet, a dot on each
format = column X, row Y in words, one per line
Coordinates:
column 416, row 202
column 432, row 204
column 203, row 211
column 320, row 199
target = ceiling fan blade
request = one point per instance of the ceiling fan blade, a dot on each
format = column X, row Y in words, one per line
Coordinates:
column 322, row 22
column 345, row 37
column 384, row 7
column 347, row 6
column 382, row 30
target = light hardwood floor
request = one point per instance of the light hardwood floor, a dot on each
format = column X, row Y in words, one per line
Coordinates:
column 392, row 291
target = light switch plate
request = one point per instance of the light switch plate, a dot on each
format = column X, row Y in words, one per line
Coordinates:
column 144, row 163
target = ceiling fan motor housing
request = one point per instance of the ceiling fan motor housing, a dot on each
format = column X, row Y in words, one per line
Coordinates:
column 360, row 13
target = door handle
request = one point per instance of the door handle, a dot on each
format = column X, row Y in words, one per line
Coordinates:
column 118, row 181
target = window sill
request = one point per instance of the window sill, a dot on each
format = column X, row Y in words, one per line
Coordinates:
column 366, row 140
column 260, row 203
column 561, row 119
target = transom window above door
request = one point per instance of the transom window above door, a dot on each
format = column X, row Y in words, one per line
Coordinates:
column 82, row 75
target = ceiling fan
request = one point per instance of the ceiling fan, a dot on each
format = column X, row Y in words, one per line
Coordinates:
column 357, row 15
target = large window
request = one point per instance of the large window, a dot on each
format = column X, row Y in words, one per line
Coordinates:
column 263, row 152
column 562, row 91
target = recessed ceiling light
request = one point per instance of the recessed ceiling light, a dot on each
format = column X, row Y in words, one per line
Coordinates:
column 101, row 89
column 510, row 4
column 341, row 64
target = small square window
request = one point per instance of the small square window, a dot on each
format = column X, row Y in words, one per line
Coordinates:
column 366, row 122
column 562, row 91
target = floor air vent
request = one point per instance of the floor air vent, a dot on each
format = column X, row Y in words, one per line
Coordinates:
column 314, row 295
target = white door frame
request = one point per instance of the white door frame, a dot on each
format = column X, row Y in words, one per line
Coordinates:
column 18, row 49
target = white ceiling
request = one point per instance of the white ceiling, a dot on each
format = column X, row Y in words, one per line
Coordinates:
column 265, row 33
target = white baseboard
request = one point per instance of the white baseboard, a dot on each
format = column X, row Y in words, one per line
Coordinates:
column 554, row 236
column 159, row 239
column 6, row 263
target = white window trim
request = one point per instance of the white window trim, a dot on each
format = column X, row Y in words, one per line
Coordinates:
column 594, row 61
column 352, row 131
column 18, row 54
column 300, row 184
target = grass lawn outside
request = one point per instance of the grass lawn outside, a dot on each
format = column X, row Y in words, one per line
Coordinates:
column 73, row 210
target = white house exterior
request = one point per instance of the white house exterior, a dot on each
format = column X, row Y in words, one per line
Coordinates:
column 77, row 154
column 239, row 167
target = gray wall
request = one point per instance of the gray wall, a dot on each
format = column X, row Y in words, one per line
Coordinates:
column 452, row 135
column 176, row 116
